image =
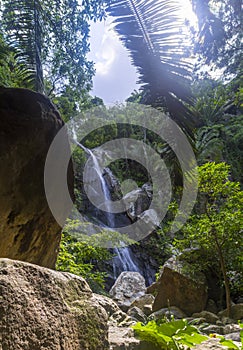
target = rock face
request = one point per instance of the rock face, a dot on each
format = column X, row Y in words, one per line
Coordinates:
column 28, row 231
column 41, row 309
column 178, row 286
column 128, row 287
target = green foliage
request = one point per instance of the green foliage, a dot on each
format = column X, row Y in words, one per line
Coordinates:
column 170, row 335
column 12, row 71
column 78, row 257
column 175, row 335
column 220, row 137
column 217, row 225
column 51, row 38
column 219, row 38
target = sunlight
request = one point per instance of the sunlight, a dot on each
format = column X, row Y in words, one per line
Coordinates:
column 187, row 12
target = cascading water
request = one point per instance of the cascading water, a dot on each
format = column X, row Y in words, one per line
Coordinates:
column 124, row 259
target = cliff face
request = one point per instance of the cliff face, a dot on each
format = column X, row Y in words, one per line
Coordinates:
column 28, row 124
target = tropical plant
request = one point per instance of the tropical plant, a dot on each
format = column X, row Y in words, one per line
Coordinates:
column 51, row 38
column 153, row 35
column 220, row 31
column 79, row 257
column 171, row 335
column 220, row 136
column 174, row 335
column 216, row 227
column 12, row 71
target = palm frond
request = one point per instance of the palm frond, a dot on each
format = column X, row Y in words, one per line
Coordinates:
column 23, row 32
column 152, row 33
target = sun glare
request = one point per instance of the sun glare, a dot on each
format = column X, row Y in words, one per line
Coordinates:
column 187, row 13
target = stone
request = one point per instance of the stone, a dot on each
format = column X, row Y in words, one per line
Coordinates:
column 179, row 286
column 137, row 314
column 150, row 216
column 107, row 303
column 28, row 230
column 226, row 320
column 144, row 303
column 234, row 336
column 210, row 344
column 147, row 309
column 139, row 200
column 42, row 309
column 122, row 339
column 208, row 316
column 231, row 328
column 127, row 288
column 121, row 319
column 168, row 312
column 212, row 328
column 236, row 312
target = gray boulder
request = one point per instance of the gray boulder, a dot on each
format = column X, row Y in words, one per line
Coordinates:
column 128, row 287
column 43, row 309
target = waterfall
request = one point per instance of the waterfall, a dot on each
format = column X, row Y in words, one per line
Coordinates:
column 124, row 259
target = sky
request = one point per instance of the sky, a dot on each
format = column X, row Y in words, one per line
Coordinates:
column 115, row 77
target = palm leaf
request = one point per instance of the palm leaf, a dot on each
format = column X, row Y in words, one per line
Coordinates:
column 151, row 31
column 23, row 32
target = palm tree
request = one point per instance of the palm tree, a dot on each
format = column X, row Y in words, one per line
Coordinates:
column 23, row 31
column 51, row 38
column 152, row 33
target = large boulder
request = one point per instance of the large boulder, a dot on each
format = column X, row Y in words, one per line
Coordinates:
column 128, row 287
column 28, row 230
column 179, row 286
column 41, row 309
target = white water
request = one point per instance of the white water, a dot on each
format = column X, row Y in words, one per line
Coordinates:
column 123, row 261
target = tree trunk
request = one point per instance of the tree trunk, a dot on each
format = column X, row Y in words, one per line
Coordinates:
column 226, row 280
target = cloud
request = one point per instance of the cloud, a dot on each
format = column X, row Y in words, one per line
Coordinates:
column 115, row 77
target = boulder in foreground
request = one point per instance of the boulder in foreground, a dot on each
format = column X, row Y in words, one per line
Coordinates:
column 42, row 309
column 28, row 231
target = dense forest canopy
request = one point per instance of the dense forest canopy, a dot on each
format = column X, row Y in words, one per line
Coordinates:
column 44, row 47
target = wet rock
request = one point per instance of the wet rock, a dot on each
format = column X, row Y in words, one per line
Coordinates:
column 139, row 202
column 28, row 230
column 48, row 310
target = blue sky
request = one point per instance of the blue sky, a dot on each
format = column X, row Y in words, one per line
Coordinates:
column 115, row 76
